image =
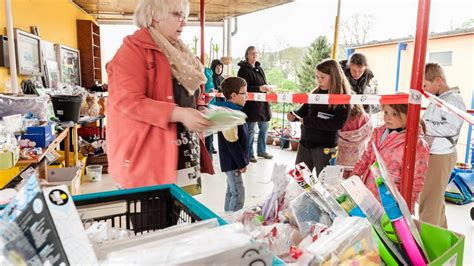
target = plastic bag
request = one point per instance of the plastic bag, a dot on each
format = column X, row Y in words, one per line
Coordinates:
column 223, row 119
column 307, row 210
column 274, row 202
column 348, row 241
column 38, row 105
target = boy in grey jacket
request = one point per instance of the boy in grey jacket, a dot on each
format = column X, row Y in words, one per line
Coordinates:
column 442, row 133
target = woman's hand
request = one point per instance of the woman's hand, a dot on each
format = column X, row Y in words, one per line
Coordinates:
column 191, row 118
column 243, row 170
column 263, row 88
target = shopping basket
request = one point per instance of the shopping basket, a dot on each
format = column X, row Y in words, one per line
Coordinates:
column 142, row 209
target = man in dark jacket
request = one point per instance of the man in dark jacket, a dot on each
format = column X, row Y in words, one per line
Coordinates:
column 359, row 76
column 258, row 113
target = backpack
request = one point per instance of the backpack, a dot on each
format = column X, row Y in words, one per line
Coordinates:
column 460, row 189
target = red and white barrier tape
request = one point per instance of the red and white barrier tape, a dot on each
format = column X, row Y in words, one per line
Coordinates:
column 449, row 107
column 324, row 98
column 414, row 97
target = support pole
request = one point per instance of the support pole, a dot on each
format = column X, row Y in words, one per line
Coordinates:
column 416, row 83
column 401, row 46
column 202, row 20
column 11, row 47
column 336, row 31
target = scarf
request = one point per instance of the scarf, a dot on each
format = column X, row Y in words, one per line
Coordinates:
column 183, row 63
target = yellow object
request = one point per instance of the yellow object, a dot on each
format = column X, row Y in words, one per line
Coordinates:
column 6, row 175
column 231, row 135
column 55, row 19
column 61, row 161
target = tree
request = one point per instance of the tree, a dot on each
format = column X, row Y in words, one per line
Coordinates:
column 468, row 24
column 356, row 28
column 318, row 51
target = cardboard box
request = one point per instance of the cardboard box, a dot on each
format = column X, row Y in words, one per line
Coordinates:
column 69, row 227
column 43, row 134
column 442, row 246
column 68, row 176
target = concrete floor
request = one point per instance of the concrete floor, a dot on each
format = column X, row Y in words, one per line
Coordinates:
column 258, row 186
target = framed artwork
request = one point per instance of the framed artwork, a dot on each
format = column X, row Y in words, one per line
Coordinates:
column 49, row 54
column 69, row 65
column 53, row 75
column 28, row 50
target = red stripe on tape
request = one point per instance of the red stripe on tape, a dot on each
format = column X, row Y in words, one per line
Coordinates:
column 339, row 99
column 394, row 99
column 300, row 98
column 272, row 97
column 250, row 96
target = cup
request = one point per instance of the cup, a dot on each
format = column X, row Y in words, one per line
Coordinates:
column 94, row 172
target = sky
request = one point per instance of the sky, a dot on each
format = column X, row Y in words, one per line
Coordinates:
column 301, row 22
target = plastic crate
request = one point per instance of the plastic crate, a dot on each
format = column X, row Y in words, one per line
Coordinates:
column 142, row 209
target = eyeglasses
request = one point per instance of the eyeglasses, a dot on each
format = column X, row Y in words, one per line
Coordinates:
column 180, row 16
column 243, row 93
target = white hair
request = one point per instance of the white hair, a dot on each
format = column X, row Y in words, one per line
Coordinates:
column 147, row 10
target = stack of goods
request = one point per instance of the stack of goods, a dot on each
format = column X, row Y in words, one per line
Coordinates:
column 332, row 221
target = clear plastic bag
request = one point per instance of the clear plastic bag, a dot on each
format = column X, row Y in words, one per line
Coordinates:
column 348, row 241
column 306, row 210
column 274, row 203
column 38, row 105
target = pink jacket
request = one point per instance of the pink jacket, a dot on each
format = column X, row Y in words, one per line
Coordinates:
column 141, row 144
column 353, row 139
column 392, row 151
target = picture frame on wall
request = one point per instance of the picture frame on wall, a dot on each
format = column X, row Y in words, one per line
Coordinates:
column 69, row 65
column 28, row 52
column 49, row 52
column 53, row 77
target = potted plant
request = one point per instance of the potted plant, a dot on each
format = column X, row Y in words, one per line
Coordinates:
column 285, row 135
column 271, row 137
column 294, row 142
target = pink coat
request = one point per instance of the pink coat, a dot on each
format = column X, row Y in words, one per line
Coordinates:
column 392, row 151
column 141, row 139
column 353, row 139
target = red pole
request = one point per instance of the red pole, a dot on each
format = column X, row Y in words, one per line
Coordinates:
column 202, row 20
column 416, row 84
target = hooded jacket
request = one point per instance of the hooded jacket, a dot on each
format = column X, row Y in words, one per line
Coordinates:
column 141, row 140
column 216, row 78
column 391, row 149
column 353, row 139
column 255, row 77
column 442, row 128
column 233, row 151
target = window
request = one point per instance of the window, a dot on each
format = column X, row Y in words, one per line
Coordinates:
column 442, row 58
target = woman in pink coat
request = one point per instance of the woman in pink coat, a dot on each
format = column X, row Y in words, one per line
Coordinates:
column 152, row 120
column 389, row 139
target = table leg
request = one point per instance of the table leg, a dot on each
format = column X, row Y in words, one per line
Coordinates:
column 67, row 147
column 75, row 143
column 43, row 169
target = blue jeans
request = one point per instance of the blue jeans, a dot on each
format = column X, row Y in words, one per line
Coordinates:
column 262, row 137
column 235, row 194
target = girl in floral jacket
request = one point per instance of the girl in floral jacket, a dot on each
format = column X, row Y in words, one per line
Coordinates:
column 353, row 137
column 389, row 139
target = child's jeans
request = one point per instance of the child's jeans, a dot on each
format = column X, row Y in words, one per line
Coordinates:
column 235, row 194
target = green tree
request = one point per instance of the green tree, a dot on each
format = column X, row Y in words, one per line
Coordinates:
column 467, row 24
column 318, row 51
